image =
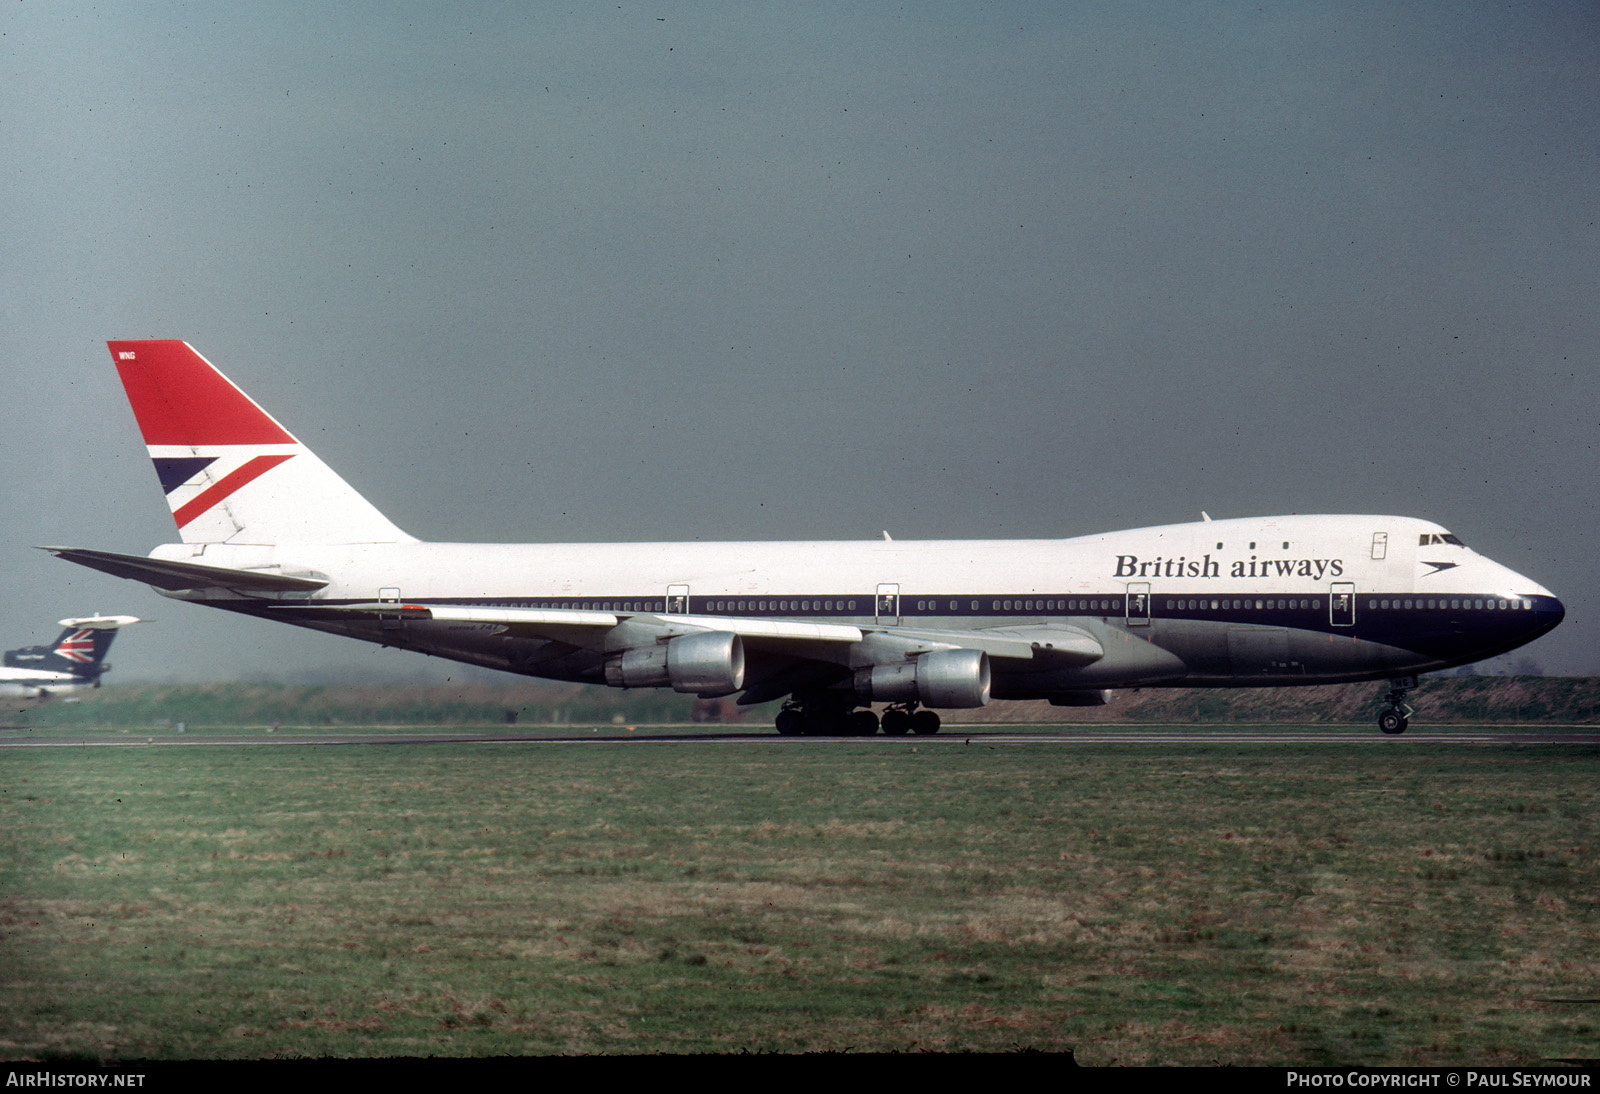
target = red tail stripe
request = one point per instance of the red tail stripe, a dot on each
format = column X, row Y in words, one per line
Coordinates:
column 226, row 485
column 179, row 398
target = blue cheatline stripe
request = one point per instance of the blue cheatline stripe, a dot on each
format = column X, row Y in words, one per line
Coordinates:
column 1398, row 613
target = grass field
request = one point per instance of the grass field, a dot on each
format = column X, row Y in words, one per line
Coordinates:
column 1178, row 904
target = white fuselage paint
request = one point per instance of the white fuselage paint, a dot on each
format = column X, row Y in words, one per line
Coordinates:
column 1244, row 554
column 1252, row 568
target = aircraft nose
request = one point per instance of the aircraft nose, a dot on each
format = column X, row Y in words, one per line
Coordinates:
column 1548, row 611
column 1536, row 589
column 1511, row 583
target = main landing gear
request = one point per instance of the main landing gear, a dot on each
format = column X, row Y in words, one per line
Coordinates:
column 899, row 721
column 825, row 717
column 1395, row 720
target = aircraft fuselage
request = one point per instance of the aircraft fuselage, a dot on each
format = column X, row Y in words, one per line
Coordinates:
column 40, row 687
column 1241, row 602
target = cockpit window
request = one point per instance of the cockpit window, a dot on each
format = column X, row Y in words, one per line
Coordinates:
column 1430, row 538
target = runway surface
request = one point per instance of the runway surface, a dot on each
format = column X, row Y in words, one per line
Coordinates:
column 22, row 738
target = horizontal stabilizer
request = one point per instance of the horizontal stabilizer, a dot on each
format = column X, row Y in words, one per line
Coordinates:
column 178, row 576
column 101, row 622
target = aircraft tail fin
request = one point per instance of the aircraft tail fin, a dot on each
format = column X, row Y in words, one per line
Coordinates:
column 80, row 649
column 231, row 473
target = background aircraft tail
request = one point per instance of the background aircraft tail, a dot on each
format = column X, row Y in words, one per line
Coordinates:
column 231, row 473
column 80, row 649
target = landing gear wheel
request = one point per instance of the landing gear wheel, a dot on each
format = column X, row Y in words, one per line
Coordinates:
column 825, row 715
column 1393, row 722
column 896, row 723
column 823, row 723
column 925, row 723
column 861, row 723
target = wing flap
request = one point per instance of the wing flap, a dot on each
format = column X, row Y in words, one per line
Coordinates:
column 541, row 622
column 1064, row 645
column 780, row 629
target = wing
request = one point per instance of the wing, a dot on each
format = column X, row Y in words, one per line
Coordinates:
column 784, row 655
column 703, row 654
column 1061, row 644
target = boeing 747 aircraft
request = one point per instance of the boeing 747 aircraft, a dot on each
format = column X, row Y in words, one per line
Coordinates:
column 269, row 530
column 74, row 662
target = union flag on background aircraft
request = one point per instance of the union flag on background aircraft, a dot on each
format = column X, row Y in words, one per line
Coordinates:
column 77, row 646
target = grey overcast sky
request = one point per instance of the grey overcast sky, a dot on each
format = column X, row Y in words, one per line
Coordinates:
column 762, row 271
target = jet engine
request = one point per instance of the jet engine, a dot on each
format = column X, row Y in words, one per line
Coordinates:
column 705, row 663
column 952, row 679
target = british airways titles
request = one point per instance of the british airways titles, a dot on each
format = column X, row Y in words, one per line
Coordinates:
column 1207, row 567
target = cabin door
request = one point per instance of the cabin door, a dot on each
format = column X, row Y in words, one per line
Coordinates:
column 888, row 606
column 677, row 600
column 1342, row 604
column 1139, row 604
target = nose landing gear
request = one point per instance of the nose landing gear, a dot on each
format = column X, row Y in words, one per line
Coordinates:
column 1395, row 720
